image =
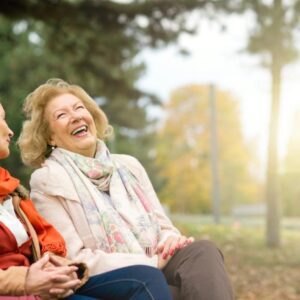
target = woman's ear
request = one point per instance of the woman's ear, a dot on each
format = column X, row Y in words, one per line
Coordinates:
column 49, row 150
column 51, row 141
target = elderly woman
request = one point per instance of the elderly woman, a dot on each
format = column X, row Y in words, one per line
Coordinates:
column 104, row 204
column 32, row 254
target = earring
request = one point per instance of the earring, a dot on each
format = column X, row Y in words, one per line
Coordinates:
column 53, row 147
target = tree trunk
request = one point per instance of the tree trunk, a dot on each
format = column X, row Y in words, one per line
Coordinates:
column 272, row 198
column 216, row 197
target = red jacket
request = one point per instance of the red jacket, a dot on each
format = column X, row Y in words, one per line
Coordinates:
column 14, row 260
column 49, row 238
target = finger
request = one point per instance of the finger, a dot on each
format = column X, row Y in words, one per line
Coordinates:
column 191, row 239
column 159, row 249
column 66, row 270
column 186, row 241
column 55, row 261
column 67, row 294
column 164, row 253
column 59, row 278
column 71, row 284
column 173, row 246
column 182, row 242
column 41, row 262
column 166, row 248
column 74, row 275
column 56, row 291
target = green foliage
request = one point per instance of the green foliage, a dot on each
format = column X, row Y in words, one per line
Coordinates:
column 274, row 37
column 90, row 43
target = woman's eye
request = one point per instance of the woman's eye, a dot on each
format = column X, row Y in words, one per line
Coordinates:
column 80, row 107
column 60, row 115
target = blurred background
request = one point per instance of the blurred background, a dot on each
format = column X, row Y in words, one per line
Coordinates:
column 204, row 93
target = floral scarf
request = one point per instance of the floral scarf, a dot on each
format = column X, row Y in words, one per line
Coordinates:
column 118, row 212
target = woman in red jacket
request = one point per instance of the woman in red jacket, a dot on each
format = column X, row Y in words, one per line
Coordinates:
column 32, row 254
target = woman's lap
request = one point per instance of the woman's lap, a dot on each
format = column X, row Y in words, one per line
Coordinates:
column 133, row 282
column 198, row 272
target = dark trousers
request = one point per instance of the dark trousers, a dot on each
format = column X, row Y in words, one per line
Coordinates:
column 197, row 272
column 134, row 283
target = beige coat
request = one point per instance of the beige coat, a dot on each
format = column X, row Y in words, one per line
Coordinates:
column 56, row 199
column 13, row 281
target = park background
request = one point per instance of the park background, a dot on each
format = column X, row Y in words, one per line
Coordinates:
column 204, row 93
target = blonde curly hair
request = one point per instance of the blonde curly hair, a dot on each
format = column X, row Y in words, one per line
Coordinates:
column 35, row 134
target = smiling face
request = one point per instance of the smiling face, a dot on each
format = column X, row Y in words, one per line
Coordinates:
column 72, row 127
column 5, row 135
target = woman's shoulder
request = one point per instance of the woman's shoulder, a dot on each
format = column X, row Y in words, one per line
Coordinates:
column 50, row 178
column 48, row 169
column 131, row 163
column 127, row 160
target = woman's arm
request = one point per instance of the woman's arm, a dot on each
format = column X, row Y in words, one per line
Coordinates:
column 12, row 281
column 170, row 238
column 80, row 243
column 56, row 280
column 36, row 280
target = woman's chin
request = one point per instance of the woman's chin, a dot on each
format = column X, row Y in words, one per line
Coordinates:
column 4, row 154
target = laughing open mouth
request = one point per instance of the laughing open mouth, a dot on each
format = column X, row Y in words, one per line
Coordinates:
column 79, row 130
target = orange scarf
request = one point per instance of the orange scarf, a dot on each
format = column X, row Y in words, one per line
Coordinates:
column 49, row 238
column 7, row 183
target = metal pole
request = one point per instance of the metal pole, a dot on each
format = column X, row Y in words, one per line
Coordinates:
column 216, row 199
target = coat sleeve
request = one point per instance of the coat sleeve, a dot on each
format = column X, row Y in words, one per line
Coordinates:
column 166, row 226
column 12, row 281
column 55, row 211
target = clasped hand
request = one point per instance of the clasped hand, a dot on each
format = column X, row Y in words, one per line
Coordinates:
column 166, row 250
column 49, row 279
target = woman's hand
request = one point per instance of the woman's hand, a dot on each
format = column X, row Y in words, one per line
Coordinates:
column 162, row 262
column 62, row 292
column 173, row 243
column 56, row 281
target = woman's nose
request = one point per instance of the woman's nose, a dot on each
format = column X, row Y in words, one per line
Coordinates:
column 76, row 117
column 10, row 133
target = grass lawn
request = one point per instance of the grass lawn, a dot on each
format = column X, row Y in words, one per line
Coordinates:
column 257, row 272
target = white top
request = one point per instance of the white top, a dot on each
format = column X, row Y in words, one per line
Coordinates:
column 9, row 218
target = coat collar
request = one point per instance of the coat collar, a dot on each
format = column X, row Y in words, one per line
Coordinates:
column 53, row 180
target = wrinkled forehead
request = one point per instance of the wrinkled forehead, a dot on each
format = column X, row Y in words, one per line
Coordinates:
column 62, row 101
